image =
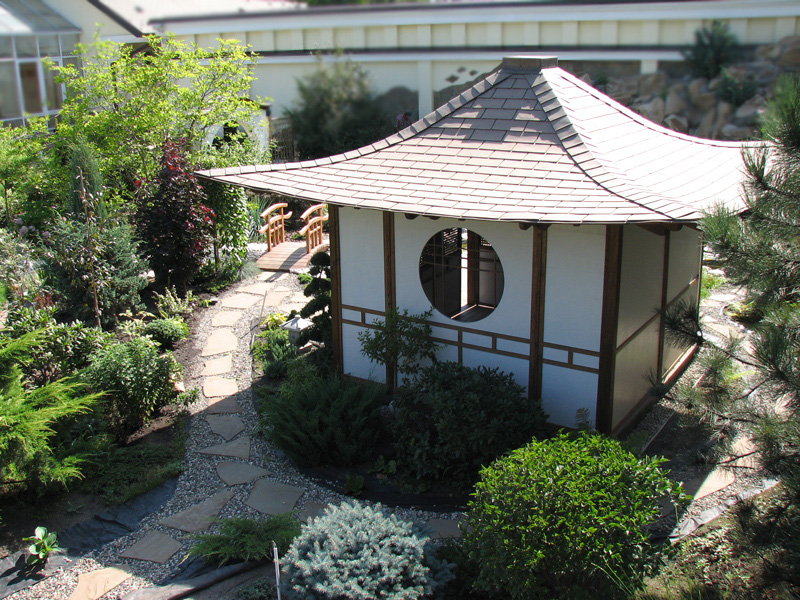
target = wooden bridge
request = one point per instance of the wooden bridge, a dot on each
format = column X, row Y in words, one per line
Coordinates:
column 291, row 255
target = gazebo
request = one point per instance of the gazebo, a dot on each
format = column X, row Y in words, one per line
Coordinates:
column 547, row 225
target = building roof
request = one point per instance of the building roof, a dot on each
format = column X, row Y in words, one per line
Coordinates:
column 28, row 17
column 530, row 143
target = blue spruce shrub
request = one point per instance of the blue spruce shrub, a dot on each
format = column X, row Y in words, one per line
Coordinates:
column 358, row 552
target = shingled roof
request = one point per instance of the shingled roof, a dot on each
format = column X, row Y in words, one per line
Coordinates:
column 530, row 143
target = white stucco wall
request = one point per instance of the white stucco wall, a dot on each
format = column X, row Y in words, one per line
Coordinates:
column 362, row 283
column 572, row 314
column 514, row 248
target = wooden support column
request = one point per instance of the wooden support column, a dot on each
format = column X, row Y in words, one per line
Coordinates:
column 336, row 286
column 389, row 282
column 664, row 301
column 539, row 262
column 608, row 329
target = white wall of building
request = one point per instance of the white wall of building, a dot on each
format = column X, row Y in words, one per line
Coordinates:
column 572, row 315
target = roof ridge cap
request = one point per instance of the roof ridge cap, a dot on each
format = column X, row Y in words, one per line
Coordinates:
column 566, row 133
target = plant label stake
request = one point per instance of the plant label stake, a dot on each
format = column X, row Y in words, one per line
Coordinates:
column 276, row 560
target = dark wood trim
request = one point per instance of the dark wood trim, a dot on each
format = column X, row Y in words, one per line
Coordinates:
column 336, row 286
column 661, row 327
column 389, row 282
column 641, row 328
column 571, row 349
column 539, row 266
column 570, row 365
column 608, row 328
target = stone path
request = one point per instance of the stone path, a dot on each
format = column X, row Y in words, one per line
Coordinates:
column 231, row 458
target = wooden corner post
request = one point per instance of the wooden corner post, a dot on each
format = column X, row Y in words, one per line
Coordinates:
column 336, row 286
column 608, row 329
column 539, row 262
column 389, row 283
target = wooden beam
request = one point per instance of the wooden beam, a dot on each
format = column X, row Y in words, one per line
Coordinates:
column 664, row 300
column 336, row 286
column 539, row 261
column 608, row 329
column 389, row 281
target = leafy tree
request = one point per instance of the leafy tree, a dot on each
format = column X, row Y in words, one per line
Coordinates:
column 336, row 111
column 28, row 418
column 173, row 223
column 128, row 102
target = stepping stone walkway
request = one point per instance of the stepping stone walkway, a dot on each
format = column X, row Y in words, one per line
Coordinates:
column 226, row 318
column 155, row 546
column 236, row 473
column 218, row 366
column 221, row 341
column 198, row 517
column 226, row 426
column 223, row 405
column 239, row 448
column 271, row 497
column 239, row 301
column 214, row 387
column 98, row 583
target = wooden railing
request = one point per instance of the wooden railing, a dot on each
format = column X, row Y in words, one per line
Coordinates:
column 313, row 226
column 274, row 226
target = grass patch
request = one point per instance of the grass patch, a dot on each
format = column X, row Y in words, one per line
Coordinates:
column 127, row 471
column 709, row 282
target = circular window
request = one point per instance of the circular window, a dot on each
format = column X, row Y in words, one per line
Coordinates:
column 461, row 274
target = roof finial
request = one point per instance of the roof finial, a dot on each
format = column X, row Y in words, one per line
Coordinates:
column 529, row 63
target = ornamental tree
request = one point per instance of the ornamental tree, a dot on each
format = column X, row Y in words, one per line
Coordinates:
column 172, row 221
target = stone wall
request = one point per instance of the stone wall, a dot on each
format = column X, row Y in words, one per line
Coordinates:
column 692, row 105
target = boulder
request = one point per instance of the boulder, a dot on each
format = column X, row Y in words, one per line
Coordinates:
column 699, row 95
column 736, row 132
column 675, row 102
column 652, row 83
column 724, row 114
column 677, row 123
column 706, row 127
column 747, row 114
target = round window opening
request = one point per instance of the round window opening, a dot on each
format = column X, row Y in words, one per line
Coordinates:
column 461, row 274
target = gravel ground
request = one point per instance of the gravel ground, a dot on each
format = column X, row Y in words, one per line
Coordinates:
column 199, row 479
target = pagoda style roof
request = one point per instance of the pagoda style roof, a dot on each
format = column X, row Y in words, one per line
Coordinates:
column 529, row 143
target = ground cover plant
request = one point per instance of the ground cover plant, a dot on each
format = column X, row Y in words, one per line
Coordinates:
column 566, row 518
column 358, row 552
column 240, row 539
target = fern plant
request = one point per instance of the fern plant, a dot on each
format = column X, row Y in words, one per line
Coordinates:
column 246, row 539
column 358, row 552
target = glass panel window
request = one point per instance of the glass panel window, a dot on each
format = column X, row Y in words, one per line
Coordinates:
column 5, row 47
column 26, row 46
column 52, row 90
column 48, row 45
column 9, row 104
column 31, row 93
column 68, row 43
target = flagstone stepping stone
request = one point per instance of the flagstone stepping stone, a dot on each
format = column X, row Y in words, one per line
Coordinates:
column 223, row 405
column 225, row 318
column 236, row 473
column 271, row 497
column 239, row 301
column 310, row 510
column 221, row 340
column 742, row 446
column 237, row 448
column 97, row 583
column 214, row 387
column 715, row 481
column 199, row 517
column 218, row 366
column 154, row 547
column 228, row 426
column 444, row 528
column 275, row 298
column 260, row 288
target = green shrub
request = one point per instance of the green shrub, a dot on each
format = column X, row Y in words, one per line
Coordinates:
column 138, row 381
column 63, row 349
column 454, row 419
column 17, row 268
column 166, row 332
column 273, row 351
column 324, row 421
column 111, row 267
column 357, row 552
column 247, row 539
column 566, row 518
column 170, row 304
column 735, row 92
column 714, row 47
